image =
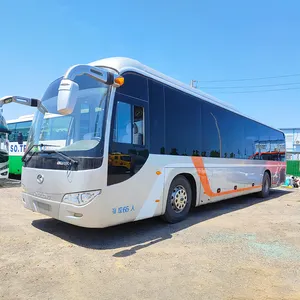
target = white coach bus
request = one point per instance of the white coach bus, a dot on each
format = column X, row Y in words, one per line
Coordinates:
column 140, row 144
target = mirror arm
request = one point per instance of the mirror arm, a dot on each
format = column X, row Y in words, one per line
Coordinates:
column 68, row 88
column 94, row 72
column 24, row 101
column 20, row 100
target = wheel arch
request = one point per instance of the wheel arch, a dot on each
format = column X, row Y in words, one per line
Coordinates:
column 269, row 172
column 190, row 178
column 193, row 183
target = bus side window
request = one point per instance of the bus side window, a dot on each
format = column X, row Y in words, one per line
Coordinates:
column 138, row 125
column 12, row 137
column 129, row 130
column 123, row 124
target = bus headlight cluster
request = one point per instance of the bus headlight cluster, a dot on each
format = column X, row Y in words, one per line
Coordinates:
column 80, row 198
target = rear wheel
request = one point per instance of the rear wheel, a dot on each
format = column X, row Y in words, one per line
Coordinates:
column 179, row 200
column 266, row 185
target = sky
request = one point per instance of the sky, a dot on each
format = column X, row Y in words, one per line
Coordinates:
column 202, row 40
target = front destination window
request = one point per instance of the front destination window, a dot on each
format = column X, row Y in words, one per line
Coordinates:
column 73, row 141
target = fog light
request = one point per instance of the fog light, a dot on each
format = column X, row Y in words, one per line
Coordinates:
column 78, row 215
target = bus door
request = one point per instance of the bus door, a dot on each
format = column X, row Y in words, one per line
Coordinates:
column 129, row 138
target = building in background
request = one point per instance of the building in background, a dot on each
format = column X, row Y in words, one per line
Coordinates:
column 292, row 137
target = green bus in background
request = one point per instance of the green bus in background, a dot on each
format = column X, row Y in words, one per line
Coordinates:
column 53, row 126
column 17, row 142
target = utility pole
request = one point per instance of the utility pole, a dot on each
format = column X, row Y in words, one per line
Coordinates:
column 192, row 83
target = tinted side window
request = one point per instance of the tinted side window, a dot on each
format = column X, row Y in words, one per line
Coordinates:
column 122, row 130
column 211, row 139
column 265, row 144
column 283, row 146
column 128, row 150
column 183, row 123
column 222, row 132
column 135, row 85
column 129, row 127
column 268, row 144
column 157, row 117
column 138, row 125
column 251, row 139
column 275, row 146
column 264, row 139
column 232, row 135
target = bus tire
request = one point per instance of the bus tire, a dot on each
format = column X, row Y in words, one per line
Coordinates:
column 266, row 185
column 179, row 200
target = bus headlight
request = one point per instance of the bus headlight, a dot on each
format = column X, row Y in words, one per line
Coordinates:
column 80, row 198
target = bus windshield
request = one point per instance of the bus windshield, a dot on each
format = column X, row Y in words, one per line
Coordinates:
column 3, row 142
column 3, row 126
column 79, row 134
column 3, row 134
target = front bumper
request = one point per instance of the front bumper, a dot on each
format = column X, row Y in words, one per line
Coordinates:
column 43, row 206
column 84, row 216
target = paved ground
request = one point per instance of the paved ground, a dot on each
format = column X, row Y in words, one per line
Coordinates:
column 244, row 248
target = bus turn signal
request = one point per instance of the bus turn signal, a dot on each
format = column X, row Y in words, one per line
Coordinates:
column 119, row 81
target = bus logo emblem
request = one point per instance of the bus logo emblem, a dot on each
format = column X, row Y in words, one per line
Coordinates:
column 40, row 179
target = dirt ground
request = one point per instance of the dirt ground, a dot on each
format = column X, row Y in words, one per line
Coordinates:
column 244, row 248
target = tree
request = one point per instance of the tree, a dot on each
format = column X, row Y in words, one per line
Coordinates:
column 214, row 153
column 174, row 151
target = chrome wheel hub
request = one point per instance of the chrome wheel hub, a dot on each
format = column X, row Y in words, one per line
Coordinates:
column 179, row 199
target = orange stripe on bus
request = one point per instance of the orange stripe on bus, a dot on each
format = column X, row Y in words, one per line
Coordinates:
column 199, row 165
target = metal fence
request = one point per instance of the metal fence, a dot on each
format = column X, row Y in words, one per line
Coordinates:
column 293, row 167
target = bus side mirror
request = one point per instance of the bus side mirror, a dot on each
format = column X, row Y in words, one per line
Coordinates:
column 67, row 96
column 20, row 138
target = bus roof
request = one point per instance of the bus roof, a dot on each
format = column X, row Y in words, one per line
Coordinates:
column 123, row 64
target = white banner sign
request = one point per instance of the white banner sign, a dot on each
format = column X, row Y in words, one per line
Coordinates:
column 17, row 150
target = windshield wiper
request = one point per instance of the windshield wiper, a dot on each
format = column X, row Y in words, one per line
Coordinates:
column 71, row 160
column 36, row 145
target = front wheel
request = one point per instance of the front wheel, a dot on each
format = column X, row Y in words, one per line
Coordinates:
column 266, row 185
column 179, row 200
